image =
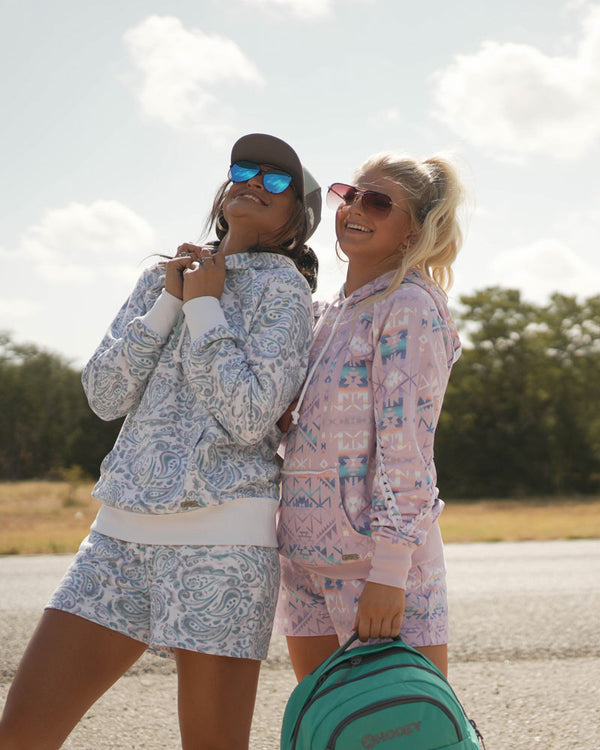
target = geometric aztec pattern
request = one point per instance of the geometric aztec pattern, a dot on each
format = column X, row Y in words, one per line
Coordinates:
column 359, row 464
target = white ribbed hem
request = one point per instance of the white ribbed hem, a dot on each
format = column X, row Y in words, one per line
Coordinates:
column 244, row 521
column 163, row 315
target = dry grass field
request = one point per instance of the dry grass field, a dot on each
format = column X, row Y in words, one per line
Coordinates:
column 517, row 521
column 44, row 517
column 53, row 517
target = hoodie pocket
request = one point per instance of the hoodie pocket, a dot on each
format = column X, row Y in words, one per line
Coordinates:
column 314, row 528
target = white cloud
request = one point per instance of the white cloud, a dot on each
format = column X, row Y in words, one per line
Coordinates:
column 70, row 274
column 180, row 70
column 304, row 9
column 514, row 100
column 546, row 266
column 82, row 243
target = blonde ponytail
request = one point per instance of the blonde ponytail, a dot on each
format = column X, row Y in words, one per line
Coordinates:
column 434, row 193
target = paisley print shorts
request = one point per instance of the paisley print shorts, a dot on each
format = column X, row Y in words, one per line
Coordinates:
column 216, row 599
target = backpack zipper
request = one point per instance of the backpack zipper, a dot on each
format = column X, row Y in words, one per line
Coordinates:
column 367, row 659
column 356, row 661
column 477, row 733
column 388, row 704
column 375, row 672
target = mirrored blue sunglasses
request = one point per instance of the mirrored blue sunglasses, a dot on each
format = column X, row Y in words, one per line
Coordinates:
column 274, row 180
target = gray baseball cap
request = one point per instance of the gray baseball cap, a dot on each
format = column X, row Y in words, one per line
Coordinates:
column 267, row 149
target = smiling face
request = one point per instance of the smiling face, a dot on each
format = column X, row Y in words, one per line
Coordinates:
column 371, row 240
column 248, row 206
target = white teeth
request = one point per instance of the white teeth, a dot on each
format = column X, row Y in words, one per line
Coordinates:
column 251, row 197
column 357, row 227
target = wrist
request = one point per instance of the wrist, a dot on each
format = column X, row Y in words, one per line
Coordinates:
column 190, row 294
column 174, row 287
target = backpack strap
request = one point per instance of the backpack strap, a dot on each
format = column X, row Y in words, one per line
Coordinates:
column 345, row 646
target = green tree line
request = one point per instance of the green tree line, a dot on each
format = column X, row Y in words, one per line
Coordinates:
column 46, row 425
column 522, row 411
column 521, row 415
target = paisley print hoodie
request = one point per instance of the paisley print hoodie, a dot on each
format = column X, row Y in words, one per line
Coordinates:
column 201, row 398
column 359, row 480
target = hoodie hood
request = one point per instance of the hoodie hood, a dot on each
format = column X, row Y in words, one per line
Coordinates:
column 257, row 261
column 378, row 286
column 440, row 300
column 413, row 277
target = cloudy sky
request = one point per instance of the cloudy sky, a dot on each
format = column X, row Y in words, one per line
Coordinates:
column 119, row 117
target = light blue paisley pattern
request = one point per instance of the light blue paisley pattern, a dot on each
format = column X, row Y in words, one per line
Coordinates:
column 214, row 599
column 200, row 427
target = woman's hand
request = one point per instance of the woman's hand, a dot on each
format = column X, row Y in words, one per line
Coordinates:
column 205, row 277
column 174, row 278
column 380, row 611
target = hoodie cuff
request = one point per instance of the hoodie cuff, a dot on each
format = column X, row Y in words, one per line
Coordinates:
column 162, row 316
column 390, row 564
column 202, row 314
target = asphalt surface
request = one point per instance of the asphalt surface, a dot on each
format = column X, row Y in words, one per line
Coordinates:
column 524, row 652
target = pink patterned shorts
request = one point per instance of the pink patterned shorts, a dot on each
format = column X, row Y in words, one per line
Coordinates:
column 311, row 604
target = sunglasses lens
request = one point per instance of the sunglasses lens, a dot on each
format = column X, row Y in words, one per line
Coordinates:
column 242, row 171
column 377, row 204
column 340, row 194
column 275, row 181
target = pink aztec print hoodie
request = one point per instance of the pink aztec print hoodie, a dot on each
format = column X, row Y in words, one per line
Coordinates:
column 359, row 481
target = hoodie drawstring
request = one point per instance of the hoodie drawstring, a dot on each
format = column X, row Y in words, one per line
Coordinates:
column 296, row 412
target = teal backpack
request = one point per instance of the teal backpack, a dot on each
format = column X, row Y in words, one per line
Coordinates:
column 385, row 695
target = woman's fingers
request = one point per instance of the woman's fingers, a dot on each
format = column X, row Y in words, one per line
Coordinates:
column 174, row 274
column 194, row 251
column 205, row 277
column 380, row 611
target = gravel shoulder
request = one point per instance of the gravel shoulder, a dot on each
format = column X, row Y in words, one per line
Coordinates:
column 524, row 652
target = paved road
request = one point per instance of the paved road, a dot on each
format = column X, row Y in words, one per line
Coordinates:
column 525, row 652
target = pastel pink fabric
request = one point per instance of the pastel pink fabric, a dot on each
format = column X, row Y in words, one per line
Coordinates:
column 359, row 490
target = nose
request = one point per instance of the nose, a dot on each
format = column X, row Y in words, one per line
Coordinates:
column 356, row 201
column 256, row 181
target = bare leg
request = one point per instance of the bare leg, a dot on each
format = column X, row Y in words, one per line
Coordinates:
column 216, row 696
column 307, row 652
column 69, row 663
column 438, row 655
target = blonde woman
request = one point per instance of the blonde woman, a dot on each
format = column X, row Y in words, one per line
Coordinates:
column 359, row 537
